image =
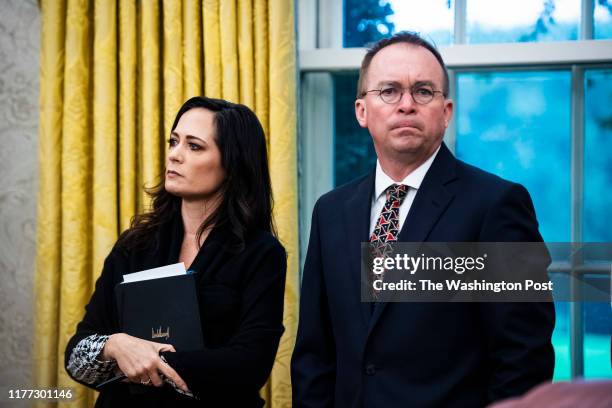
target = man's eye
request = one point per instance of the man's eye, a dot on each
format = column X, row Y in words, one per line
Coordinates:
column 423, row 92
column 389, row 91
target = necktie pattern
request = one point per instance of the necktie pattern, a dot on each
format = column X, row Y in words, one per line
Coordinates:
column 387, row 226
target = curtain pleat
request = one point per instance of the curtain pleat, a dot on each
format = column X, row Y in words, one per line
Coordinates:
column 49, row 214
column 229, row 50
column 76, row 177
column 192, row 48
column 105, row 216
column 283, row 172
column 173, row 61
column 129, row 187
column 245, row 53
column 113, row 74
column 262, row 62
column 150, row 141
column 212, row 49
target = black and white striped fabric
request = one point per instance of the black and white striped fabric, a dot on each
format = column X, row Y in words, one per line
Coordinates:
column 85, row 366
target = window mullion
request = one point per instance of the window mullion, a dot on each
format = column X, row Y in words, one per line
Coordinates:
column 460, row 22
column 586, row 19
column 577, row 182
column 316, row 147
column 330, row 31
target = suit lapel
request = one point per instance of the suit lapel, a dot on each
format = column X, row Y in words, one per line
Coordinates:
column 430, row 202
column 357, row 222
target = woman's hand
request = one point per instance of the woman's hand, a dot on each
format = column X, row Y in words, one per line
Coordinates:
column 139, row 360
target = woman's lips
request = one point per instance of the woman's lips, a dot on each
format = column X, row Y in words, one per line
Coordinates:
column 172, row 173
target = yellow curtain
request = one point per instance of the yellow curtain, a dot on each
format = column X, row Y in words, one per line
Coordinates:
column 113, row 74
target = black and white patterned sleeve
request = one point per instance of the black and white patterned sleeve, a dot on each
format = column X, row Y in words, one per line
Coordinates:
column 84, row 364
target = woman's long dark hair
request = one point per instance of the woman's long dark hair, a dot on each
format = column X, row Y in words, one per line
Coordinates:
column 246, row 193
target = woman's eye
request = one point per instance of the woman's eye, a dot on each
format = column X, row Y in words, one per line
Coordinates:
column 172, row 142
column 194, row 146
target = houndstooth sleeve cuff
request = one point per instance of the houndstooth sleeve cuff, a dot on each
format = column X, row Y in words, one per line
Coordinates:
column 84, row 364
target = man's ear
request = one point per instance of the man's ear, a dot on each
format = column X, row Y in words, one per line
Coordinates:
column 448, row 111
column 360, row 112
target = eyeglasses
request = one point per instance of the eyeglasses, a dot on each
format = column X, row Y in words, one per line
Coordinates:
column 422, row 94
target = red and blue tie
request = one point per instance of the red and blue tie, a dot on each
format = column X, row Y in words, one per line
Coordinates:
column 387, row 226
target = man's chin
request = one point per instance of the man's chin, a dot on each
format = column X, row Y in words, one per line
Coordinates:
column 410, row 146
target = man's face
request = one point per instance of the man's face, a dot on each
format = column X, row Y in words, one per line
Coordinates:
column 404, row 130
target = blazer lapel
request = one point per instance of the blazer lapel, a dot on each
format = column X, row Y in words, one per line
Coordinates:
column 357, row 222
column 430, row 202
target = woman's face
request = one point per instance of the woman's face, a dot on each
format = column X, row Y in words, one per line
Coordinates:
column 193, row 169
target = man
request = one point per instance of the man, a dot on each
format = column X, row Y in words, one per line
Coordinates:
column 349, row 354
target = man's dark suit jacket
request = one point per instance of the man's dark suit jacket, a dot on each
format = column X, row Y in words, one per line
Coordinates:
column 417, row 354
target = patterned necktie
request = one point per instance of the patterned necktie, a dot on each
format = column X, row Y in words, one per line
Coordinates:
column 387, row 226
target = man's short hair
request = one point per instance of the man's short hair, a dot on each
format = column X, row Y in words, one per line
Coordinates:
column 407, row 37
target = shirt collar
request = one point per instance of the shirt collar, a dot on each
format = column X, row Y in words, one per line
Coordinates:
column 412, row 180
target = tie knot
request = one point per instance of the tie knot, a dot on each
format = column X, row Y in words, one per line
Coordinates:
column 397, row 192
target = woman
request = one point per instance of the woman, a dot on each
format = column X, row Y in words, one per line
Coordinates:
column 213, row 211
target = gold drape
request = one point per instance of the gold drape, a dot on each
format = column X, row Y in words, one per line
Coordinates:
column 113, row 74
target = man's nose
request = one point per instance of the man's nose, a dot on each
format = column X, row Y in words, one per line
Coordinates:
column 406, row 104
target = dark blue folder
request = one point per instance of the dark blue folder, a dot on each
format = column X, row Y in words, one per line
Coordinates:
column 164, row 310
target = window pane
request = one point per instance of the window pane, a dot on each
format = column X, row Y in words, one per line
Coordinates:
column 522, row 20
column 598, row 155
column 597, row 331
column 517, row 125
column 353, row 151
column 603, row 19
column 561, row 342
column 561, row 336
column 367, row 21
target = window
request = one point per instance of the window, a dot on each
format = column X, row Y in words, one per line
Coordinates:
column 517, row 126
column 495, row 21
column 603, row 19
column 598, row 153
column 353, row 151
column 561, row 339
column 367, row 21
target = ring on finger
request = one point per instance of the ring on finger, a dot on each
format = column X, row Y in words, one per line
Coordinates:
column 146, row 382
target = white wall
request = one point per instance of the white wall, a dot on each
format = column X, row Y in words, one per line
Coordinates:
column 19, row 47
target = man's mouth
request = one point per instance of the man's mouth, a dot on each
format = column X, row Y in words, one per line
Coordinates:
column 405, row 124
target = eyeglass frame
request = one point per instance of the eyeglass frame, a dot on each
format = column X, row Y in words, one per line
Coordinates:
column 412, row 89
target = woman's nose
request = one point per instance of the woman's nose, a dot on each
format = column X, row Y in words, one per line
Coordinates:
column 175, row 153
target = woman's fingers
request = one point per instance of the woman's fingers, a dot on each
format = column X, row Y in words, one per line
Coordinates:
column 139, row 359
column 173, row 376
column 164, row 347
column 155, row 378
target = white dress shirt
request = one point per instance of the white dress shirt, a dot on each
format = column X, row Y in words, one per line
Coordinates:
column 383, row 181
